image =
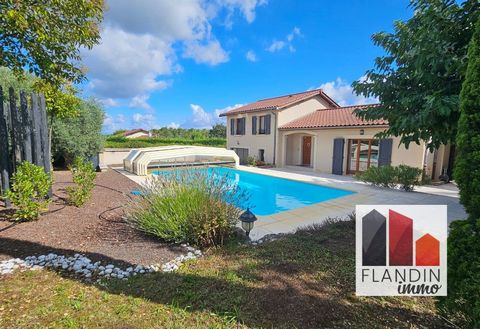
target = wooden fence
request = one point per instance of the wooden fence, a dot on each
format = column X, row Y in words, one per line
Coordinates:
column 23, row 134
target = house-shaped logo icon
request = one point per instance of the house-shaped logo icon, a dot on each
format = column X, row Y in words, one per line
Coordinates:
column 399, row 243
column 401, row 250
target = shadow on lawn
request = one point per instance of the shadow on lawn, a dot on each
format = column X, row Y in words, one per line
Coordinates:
column 272, row 290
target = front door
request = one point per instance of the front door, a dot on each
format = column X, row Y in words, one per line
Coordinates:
column 307, row 150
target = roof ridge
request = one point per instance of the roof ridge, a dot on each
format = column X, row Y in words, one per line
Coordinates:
column 359, row 105
column 329, row 117
column 348, row 107
column 318, row 90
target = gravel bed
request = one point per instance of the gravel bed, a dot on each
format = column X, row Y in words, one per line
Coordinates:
column 97, row 230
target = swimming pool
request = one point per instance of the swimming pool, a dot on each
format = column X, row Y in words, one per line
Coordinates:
column 270, row 195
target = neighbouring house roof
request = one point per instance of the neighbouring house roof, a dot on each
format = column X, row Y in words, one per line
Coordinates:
column 334, row 117
column 134, row 131
column 280, row 102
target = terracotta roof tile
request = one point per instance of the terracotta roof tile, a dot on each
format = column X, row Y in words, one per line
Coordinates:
column 336, row 117
column 280, row 102
column 134, row 131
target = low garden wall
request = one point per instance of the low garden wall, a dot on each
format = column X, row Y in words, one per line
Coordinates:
column 112, row 157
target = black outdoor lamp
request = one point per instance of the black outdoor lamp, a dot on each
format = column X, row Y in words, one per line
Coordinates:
column 248, row 219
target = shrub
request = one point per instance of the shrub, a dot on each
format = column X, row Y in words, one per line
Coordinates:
column 384, row 176
column 387, row 176
column 463, row 298
column 29, row 192
column 83, row 174
column 467, row 163
column 187, row 206
column 251, row 160
column 408, row 177
column 122, row 142
column 462, row 304
column 79, row 136
column 218, row 130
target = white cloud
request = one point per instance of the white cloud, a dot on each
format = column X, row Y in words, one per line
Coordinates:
column 203, row 119
column 295, row 32
column 112, row 123
column 199, row 118
column 173, row 125
column 246, row 7
column 278, row 45
column 146, row 121
column 165, row 19
column 125, row 64
column 342, row 92
column 139, row 41
column 251, row 56
column 210, row 52
column 109, row 102
column 217, row 112
column 140, row 101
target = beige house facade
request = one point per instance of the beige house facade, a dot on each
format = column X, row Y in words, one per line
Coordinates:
column 311, row 130
column 136, row 133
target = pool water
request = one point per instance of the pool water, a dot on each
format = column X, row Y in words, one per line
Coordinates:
column 270, row 195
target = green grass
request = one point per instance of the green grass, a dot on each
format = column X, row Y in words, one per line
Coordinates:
column 122, row 142
column 306, row 280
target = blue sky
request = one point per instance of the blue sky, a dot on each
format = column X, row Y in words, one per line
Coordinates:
column 180, row 63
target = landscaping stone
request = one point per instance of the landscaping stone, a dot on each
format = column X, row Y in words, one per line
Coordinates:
column 84, row 267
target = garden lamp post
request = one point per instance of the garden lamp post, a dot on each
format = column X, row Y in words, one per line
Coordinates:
column 248, row 219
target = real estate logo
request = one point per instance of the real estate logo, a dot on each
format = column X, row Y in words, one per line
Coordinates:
column 401, row 250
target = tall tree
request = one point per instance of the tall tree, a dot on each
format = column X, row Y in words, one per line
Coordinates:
column 79, row 136
column 61, row 101
column 467, row 167
column 464, row 237
column 45, row 37
column 218, row 130
column 418, row 81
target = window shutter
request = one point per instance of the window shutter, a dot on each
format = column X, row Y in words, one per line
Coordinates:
column 385, row 152
column 337, row 162
column 243, row 127
column 254, row 125
column 232, row 126
column 267, row 124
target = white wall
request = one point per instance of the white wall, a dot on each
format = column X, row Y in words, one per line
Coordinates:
column 256, row 142
column 138, row 135
column 294, row 149
column 301, row 109
column 112, row 156
column 323, row 147
column 253, row 142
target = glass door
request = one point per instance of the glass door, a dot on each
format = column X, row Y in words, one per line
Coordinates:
column 362, row 153
column 352, row 156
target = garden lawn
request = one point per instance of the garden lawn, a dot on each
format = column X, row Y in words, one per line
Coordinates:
column 304, row 280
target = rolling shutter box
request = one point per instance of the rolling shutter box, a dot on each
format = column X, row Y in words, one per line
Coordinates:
column 385, row 152
column 254, row 125
column 268, row 124
column 337, row 162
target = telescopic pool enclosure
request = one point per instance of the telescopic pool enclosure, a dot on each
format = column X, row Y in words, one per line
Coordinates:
column 139, row 161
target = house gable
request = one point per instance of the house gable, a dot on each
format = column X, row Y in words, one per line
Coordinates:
column 282, row 102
